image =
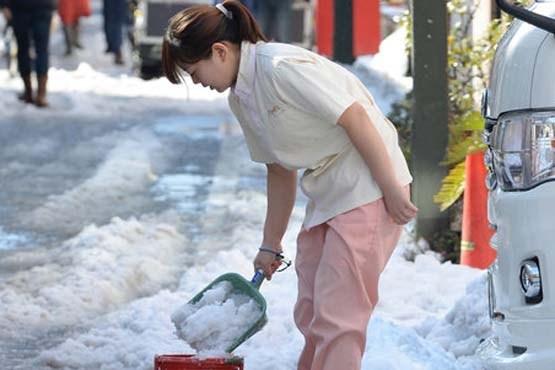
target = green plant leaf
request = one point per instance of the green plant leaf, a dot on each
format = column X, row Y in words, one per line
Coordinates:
column 458, row 151
column 452, row 187
column 471, row 121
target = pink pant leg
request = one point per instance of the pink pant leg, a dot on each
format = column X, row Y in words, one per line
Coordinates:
column 356, row 247
column 309, row 251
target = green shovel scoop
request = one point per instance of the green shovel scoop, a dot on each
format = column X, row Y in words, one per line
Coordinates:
column 243, row 287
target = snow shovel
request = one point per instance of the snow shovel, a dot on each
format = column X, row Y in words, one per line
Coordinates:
column 249, row 289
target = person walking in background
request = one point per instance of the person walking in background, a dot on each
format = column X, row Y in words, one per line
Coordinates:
column 115, row 18
column 31, row 20
column 70, row 11
column 275, row 18
column 299, row 110
column 8, row 39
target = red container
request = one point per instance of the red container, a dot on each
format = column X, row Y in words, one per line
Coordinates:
column 191, row 362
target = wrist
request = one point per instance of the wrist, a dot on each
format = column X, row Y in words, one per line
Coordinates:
column 273, row 243
column 393, row 187
column 275, row 251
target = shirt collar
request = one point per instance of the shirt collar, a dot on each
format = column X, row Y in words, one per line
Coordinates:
column 244, row 85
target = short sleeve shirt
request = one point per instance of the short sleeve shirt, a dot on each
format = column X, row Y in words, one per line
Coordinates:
column 288, row 101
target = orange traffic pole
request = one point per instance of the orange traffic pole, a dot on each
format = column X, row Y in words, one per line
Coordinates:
column 476, row 234
column 324, row 27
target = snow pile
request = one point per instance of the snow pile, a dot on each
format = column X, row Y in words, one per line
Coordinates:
column 124, row 339
column 93, row 273
column 129, row 338
column 213, row 323
column 410, row 292
column 383, row 73
column 464, row 325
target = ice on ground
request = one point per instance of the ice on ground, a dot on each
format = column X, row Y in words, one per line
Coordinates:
column 126, row 173
column 213, row 323
column 10, row 241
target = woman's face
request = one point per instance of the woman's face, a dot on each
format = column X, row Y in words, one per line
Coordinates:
column 219, row 71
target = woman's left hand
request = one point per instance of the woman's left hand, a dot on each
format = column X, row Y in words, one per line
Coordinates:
column 398, row 204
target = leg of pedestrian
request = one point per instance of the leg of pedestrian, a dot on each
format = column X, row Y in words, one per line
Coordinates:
column 115, row 12
column 21, row 25
column 41, row 36
column 68, row 40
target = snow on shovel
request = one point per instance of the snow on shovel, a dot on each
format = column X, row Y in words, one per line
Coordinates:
column 224, row 314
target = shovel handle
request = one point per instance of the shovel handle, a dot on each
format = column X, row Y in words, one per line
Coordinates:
column 258, row 278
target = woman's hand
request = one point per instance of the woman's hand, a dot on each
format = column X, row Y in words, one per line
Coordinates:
column 267, row 262
column 398, row 204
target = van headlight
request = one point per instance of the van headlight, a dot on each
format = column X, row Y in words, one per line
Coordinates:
column 530, row 281
column 523, row 147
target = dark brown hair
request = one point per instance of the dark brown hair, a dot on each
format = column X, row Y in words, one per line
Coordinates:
column 192, row 32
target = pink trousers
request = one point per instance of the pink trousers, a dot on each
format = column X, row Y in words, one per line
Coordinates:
column 338, row 266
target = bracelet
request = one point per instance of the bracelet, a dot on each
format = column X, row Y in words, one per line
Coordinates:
column 271, row 250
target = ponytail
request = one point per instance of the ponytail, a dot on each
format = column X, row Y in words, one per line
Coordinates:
column 192, row 32
column 248, row 27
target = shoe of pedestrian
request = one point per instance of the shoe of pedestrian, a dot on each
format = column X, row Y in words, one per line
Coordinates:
column 41, row 91
column 118, row 58
column 76, row 38
column 27, row 94
column 68, row 40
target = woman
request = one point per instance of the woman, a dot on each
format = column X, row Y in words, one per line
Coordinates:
column 70, row 11
column 299, row 110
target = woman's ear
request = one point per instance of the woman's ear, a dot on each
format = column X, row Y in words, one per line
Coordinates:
column 220, row 50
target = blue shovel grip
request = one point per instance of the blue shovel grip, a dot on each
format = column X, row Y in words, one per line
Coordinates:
column 258, row 278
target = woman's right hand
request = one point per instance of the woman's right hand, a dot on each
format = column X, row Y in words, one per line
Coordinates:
column 267, row 262
column 398, row 204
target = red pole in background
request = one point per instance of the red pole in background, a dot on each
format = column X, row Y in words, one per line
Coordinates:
column 324, row 27
column 366, row 27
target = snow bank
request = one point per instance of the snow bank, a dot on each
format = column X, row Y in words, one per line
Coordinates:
column 468, row 322
column 126, row 339
column 383, row 73
column 394, row 341
column 93, row 273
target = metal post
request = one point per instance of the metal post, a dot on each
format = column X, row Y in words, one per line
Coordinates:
column 343, row 31
column 430, row 130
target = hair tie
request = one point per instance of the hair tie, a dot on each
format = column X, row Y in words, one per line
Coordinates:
column 227, row 13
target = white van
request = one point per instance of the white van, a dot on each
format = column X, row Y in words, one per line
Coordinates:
column 519, row 107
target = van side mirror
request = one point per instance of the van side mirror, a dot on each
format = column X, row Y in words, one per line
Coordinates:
column 538, row 20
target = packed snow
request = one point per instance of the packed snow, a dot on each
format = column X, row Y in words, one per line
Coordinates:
column 219, row 318
column 104, row 296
